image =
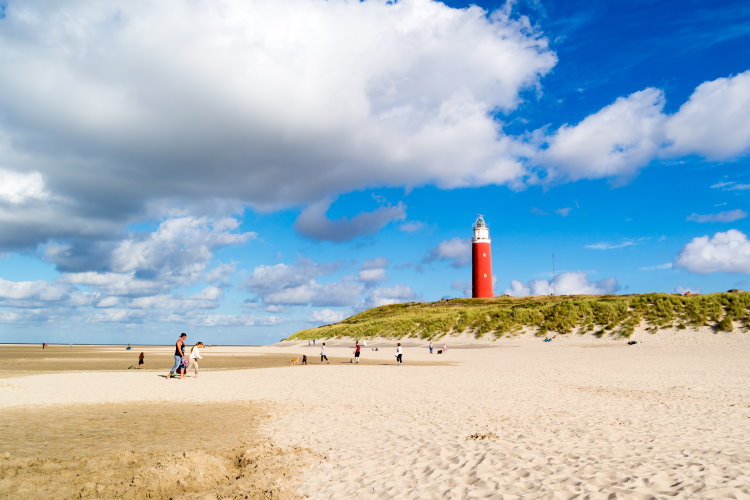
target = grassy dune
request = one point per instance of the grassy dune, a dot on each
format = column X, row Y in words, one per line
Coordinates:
column 615, row 315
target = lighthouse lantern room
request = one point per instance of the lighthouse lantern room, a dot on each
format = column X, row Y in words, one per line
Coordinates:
column 481, row 260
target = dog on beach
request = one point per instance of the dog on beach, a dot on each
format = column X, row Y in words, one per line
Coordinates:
column 440, row 351
column 294, row 361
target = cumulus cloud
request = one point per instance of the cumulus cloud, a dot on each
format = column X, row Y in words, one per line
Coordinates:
column 390, row 295
column 326, row 316
column 725, row 216
column 18, row 188
column 457, row 251
column 613, row 142
column 723, row 252
column 178, row 253
column 567, row 283
column 342, row 293
column 715, row 121
column 314, row 223
column 627, row 135
column 267, row 279
column 274, row 104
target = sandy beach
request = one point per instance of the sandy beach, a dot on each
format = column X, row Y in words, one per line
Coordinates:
column 578, row 417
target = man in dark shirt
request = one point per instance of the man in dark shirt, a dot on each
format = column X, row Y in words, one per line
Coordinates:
column 179, row 353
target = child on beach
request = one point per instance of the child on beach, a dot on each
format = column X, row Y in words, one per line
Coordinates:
column 195, row 355
column 399, row 354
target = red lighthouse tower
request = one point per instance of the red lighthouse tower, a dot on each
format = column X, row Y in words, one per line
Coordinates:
column 481, row 260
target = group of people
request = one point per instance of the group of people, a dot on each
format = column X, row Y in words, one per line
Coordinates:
column 358, row 351
column 184, row 363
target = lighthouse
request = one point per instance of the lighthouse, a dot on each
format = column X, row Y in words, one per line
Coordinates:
column 481, row 260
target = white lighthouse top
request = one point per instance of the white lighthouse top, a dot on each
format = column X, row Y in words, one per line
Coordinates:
column 481, row 231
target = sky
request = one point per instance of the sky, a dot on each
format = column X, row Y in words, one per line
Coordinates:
column 240, row 170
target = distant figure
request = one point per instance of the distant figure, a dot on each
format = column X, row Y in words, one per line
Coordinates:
column 304, row 359
column 364, row 342
column 313, row 341
column 430, row 347
column 399, row 354
column 309, row 343
column 357, row 349
column 445, row 348
column 44, row 346
column 179, row 353
column 140, row 361
column 632, row 342
column 547, row 339
column 195, row 355
column 324, row 354
column 129, row 347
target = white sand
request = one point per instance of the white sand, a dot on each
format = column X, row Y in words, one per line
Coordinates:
column 578, row 416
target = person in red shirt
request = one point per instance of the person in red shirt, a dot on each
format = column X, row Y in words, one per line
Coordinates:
column 357, row 349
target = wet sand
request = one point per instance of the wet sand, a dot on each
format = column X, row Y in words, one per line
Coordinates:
column 18, row 360
column 144, row 450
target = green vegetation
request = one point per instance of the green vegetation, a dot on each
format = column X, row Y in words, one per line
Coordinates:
column 616, row 315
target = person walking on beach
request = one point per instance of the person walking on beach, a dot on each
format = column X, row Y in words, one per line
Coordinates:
column 140, row 361
column 195, row 355
column 445, row 348
column 399, row 354
column 179, row 353
column 430, row 347
column 324, row 354
column 357, row 349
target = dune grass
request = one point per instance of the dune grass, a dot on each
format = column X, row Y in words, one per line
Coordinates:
column 616, row 315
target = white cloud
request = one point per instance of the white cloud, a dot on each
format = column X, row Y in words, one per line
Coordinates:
column 715, row 121
column 613, row 142
column 725, row 216
column 326, row 316
column 411, row 226
column 564, row 212
column 36, row 290
column 274, row 104
column 567, row 283
column 267, row 279
column 456, row 250
column 17, row 188
column 343, row 293
column 723, row 252
column 605, row 245
column 373, row 270
column 370, row 275
column 628, row 134
column 314, row 223
column 667, row 265
column 390, row 295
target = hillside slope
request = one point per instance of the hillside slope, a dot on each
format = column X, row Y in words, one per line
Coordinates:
column 616, row 315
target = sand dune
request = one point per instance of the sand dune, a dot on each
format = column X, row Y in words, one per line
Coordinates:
column 524, row 419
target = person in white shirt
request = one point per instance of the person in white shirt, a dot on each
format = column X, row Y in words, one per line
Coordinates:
column 324, row 354
column 399, row 354
column 195, row 355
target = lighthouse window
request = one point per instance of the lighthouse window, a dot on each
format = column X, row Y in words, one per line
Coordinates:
column 485, row 275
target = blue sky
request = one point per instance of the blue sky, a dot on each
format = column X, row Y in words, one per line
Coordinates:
column 240, row 171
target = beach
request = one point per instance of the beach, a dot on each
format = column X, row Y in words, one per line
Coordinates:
column 578, row 417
